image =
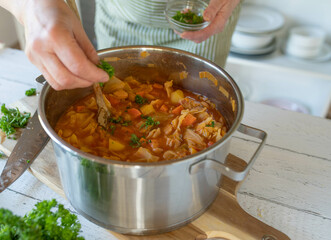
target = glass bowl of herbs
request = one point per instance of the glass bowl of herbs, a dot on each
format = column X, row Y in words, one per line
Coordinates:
column 186, row 15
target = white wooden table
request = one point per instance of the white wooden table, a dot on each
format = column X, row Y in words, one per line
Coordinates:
column 288, row 188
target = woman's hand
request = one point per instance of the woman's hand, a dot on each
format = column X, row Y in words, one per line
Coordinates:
column 217, row 13
column 57, row 44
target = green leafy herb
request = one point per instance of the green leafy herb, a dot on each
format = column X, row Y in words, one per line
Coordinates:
column 12, row 118
column 27, row 161
column 111, row 129
column 31, row 92
column 2, row 155
column 48, row 220
column 101, row 84
column 106, row 67
column 119, row 120
column 211, row 125
column 140, row 100
column 135, row 141
column 149, row 122
column 187, row 16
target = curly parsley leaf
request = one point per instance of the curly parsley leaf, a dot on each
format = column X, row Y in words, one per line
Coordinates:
column 107, row 68
column 12, row 118
column 31, row 92
column 48, row 220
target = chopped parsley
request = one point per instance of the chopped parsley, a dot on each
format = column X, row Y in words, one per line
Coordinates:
column 187, row 16
column 140, row 100
column 2, row 155
column 149, row 122
column 107, row 68
column 31, row 92
column 12, row 118
column 135, row 141
column 119, row 120
column 111, row 129
column 211, row 125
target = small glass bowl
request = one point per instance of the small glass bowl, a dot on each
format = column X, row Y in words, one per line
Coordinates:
column 196, row 6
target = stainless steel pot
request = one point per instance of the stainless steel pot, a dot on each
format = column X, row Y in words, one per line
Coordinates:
column 149, row 198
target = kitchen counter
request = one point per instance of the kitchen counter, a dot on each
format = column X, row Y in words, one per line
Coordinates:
column 287, row 188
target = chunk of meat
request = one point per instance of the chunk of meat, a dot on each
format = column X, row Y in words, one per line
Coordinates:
column 143, row 154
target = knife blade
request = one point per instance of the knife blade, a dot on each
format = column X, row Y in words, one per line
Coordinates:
column 29, row 145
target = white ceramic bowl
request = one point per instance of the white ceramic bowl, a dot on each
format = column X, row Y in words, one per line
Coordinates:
column 251, row 41
column 306, row 37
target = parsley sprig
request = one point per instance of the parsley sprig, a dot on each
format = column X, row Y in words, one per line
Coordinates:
column 48, row 220
column 107, row 68
column 30, row 92
column 12, row 118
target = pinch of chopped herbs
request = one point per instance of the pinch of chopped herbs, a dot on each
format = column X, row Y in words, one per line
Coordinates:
column 149, row 122
column 140, row 100
column 212, row 124
column 136, row 142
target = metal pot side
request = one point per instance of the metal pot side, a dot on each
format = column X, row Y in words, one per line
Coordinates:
column 145, row 198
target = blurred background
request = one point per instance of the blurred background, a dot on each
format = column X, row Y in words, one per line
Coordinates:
column 280, row 54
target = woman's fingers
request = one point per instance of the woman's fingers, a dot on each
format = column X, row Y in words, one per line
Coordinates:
column 217, row 13
column 75, row 60
column 85, row 43
column 58, row 76
column 211, row 11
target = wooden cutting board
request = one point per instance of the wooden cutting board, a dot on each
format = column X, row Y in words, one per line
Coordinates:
column 225, row 218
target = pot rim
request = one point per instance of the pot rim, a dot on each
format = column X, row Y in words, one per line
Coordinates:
column 75, row 151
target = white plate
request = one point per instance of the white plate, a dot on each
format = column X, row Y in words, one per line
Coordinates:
column 323, row 56
column 259, row 19
column 255, row 51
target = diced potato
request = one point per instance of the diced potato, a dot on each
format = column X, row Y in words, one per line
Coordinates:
column 147, row 109
column 113, row 85
column 176, row 96
column 121, row 94
column 115, row 145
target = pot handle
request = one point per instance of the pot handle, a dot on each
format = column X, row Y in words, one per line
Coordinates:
column 227, row 171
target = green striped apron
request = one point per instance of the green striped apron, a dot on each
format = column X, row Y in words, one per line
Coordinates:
column 142, row 22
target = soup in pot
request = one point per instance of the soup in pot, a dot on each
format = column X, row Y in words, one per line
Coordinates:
column 149, row 122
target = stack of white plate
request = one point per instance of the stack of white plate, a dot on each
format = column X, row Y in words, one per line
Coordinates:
column 256, row 30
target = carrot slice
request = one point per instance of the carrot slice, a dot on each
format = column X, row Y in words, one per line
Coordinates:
column 158, row 86
column 113, row 101
column 177, row 110
column 134, row 113
column 189, row 120
column 164, row 108
column 80, row 108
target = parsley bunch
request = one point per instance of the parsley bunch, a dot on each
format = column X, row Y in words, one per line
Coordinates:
column 12, row 118
column 106, row 67
column 48, row 220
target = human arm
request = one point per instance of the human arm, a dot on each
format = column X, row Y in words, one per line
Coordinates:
column 56, row 43
column 217, row 13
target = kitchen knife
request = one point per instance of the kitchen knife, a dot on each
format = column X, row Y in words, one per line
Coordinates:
column 26, row 150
